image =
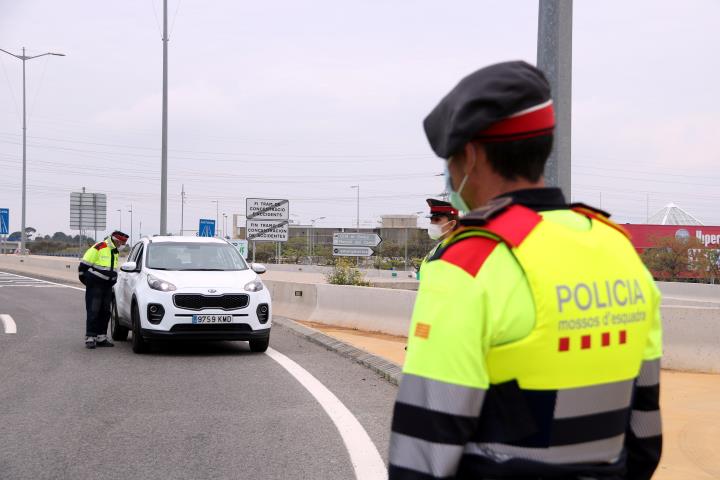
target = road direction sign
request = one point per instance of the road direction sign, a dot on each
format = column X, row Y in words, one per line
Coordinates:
column 88, row 211
column 268, row 230
column 356, row 239
column 242, row 247
column 267, row 209
column 352, row 251
column 206, row 228
column 4, row 221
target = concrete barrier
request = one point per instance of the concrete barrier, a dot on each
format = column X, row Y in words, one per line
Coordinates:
column 691, row 321
column 691, row 338
column 372, row 309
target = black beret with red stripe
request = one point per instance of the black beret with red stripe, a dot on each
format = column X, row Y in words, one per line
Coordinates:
column 503, row 102
column 440, row 208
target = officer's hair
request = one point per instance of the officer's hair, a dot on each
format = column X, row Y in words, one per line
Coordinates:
column 520, row 158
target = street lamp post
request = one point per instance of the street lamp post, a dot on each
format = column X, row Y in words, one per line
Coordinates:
column 217, row 215
column 357, row 224
column 312, row 235
column 224, row 225
column 120, row 215
column 131, row 224
column 24, row 58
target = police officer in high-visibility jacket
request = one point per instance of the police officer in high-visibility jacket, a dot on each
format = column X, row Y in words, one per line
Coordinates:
column 97, row 272
column 535, row 342
column 443, row 221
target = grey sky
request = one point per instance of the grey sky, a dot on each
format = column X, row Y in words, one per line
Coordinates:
column 298, row 100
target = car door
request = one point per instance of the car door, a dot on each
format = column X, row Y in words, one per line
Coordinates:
column 121, row 286
column 132, row 278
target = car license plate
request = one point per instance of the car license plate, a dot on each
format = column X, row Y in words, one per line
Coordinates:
column 212, row 318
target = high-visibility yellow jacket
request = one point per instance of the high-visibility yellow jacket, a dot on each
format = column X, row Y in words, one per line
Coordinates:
column 533, row 351
column 99, row 262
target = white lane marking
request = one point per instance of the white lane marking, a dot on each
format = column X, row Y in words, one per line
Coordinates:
column 42, row 281
column 364, row 456
column 8, row 323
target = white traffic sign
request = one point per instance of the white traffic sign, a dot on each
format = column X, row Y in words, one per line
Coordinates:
column 267, row 209
column 267, row 230
column 242, row 247
column 352, row 251
column 356, row 239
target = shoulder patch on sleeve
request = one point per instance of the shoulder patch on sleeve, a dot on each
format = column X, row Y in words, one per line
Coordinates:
column 470, row 253
column 100, row 246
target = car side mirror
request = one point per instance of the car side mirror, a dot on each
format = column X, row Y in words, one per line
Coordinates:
column 129, row 267
column 258, row 268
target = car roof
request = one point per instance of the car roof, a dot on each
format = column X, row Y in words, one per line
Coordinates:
column 185, row 239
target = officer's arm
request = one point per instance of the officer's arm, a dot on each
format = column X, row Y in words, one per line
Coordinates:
column 88, row 260
column 643, row 441
column 444, row 376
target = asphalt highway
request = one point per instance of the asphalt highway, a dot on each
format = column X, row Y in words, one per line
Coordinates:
column 210, row 410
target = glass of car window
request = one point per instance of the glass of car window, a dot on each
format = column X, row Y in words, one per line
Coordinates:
column 194, row 257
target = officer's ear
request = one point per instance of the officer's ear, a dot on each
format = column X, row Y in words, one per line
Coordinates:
column 475, row 157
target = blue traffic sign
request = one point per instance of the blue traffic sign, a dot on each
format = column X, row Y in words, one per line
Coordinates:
column 207, row 228
column 4, row 221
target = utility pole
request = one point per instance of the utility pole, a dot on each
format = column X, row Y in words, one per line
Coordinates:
column 217, row 212
column 554, row 58
column 182, row 211
column 163, row 174
column 120, row 215
column 24, row 58
column 131, row 224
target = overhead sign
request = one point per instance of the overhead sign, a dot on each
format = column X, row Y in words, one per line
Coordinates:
column 267, row 209
column 242, row 247
column 4, row 221
column 352, row 251
column 268, row 230
column 357, row 239
column 206, row 228
column 88, row 211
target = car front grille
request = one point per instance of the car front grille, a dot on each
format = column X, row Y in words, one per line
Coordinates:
column 193, row 301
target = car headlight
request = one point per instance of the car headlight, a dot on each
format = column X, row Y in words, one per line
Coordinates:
column 254, row 286
column 159, row 284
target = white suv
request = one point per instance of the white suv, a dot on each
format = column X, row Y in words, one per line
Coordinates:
column 190, row 288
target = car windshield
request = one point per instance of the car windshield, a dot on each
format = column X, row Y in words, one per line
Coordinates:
column 194, row 256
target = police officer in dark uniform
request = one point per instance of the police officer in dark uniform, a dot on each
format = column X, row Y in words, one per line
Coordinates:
column 535, row 342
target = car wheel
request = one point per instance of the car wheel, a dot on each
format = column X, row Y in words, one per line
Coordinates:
column 139, row 345
column 117, row 331
column 259, row 345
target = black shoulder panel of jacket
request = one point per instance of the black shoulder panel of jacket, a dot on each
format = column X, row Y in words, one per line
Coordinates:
column 481, row 215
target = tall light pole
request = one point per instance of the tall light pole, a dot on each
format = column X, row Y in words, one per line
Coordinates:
column 406, row 240
column 163, row 174
column 217, row 215
column 131, row 224
column 554, row 58
column 24, row 58
column 224, row 225
column 120, row 215
column 312, row 235
column 357, row 225
column 182, row 211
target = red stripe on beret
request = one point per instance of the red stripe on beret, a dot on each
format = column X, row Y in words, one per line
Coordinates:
column 533, row 122
column 443, row 209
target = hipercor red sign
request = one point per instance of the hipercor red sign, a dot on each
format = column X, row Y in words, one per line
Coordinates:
column 644, row 236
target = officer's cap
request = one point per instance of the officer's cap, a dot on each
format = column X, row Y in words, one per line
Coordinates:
column 120, row 235
column 503, row 102
column 439, row 208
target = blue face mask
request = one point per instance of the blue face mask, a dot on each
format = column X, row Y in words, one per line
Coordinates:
column 455, row 197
